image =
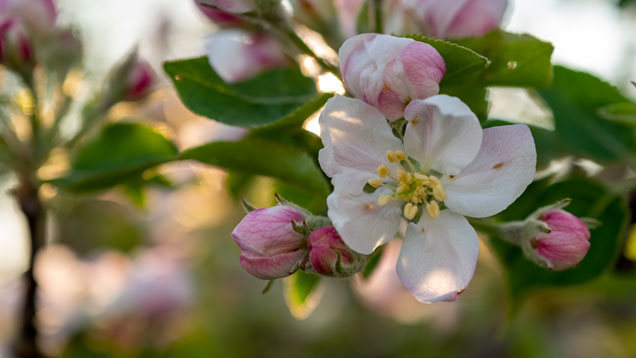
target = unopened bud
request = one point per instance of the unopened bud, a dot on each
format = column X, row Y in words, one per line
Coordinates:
column 329, row 256
column 219, row 17
column 140, row 80
column 16, row 48
column 230, row 6
column 38, row 16
column 564, row 246
column 270, row 246
column 388, row 72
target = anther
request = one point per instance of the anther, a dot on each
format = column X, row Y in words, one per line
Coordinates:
column 383, row 199
column 383, row 171
column 410, row 211
column 433, row 209
column 400, row 155
column 375, row 182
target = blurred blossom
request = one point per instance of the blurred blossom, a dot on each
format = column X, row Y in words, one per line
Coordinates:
column 270, row 247
column 348, row 11
column 566, row 244
column 10, row 305
column 382, row 292
column 38, row 15
column 231, row 6
column 140, row 80
column 388, row 72
column 314, row 13
column 153, row 302
column 219, row 17
column 456, row 18
column 329, row 256
column 237, row 55
column 16, row 48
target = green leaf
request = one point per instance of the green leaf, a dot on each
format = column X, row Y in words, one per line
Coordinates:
column 238, row 182
column 472, row 94
column 589, row 199
column 462, row 63
column 624, row 113
column 264, row 157
column 282, row 94
column 519, row 60
column 373, row 262
column 121, row 151
column 575, row 99
column 302, row 293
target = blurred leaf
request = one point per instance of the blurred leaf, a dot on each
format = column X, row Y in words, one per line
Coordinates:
column 302, row 293
column 517, row 60
column 121, row 151
column 472, row 94
column 135, row 188
column 589, row 199
column 575, row 99
column 373, row 262
column 238, row 182
column 624, row 113
column 546, row 142
column 263, row 157
column 315, row 204
column 90, row 225
column 284, row 95
column 462, row 63
column 364, row 20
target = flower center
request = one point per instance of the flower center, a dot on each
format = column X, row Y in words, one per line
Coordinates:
column 418, row 190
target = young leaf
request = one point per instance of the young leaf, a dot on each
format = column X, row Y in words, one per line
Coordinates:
column 519, row 60
column 264, row 157
column 121, row 151
column 302, row 293
column 589, row 199
column 282, row 94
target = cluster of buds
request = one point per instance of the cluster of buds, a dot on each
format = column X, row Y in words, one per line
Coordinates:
column 277, row 241
column 551, row 237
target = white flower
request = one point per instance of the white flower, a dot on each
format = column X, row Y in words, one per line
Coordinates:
column 446, row 168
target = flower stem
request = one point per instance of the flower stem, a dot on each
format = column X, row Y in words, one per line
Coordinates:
column 31, row 207
column 302, row 46
column 377, row 15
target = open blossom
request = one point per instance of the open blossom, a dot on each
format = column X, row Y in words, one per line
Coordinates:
column 388, row 72
column 270, row 247
column 237, row 55
column 456, row 18
column 566, row 244
column 446, row 168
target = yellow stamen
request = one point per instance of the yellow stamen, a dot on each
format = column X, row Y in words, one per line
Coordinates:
column 390, row 155
column 383, row 171
column 433, row 209
column 410, row 211
column 402, row 176
column 383, row 199
column 399, row 155
column 422, row 178
column 402, row 188
column 375, row 182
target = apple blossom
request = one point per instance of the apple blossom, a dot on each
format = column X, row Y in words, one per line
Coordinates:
column 446, row 168
column 38, row 15
column 219, row 17
column 456, row 18
column 237, row 55
column 16, row 48
column 329, row 255
column 140, row 80
column 565, row 245
column 270, row 247
column 388, row 72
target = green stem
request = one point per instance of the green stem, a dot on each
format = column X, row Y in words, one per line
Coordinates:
column 377, row 12
column 302, row 46
column 487, row 226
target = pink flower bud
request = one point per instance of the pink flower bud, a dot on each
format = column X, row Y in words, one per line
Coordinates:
column 140, row 80
column 38, row 15
column 388, row 72
column 567, row 243
column 16, row 51
column 458, row 18
column 270, row 248
column 231, row 6
column 237, row 55
column 219, row 17
column 330, row 256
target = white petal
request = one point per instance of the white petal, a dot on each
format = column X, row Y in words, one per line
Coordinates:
column 500, row 173
column 438, row 257
column 360, row 221
column 442, row 133
column 355, row 136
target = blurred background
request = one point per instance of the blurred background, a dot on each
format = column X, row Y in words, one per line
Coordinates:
column 156, row 273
